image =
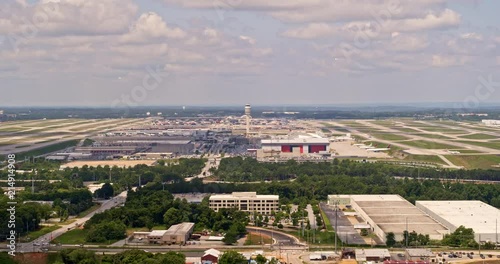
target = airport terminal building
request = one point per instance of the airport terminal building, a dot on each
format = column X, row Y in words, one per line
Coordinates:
column 479, row 216
column 245, row 201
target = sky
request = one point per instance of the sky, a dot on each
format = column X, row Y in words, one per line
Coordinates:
column 120, row 53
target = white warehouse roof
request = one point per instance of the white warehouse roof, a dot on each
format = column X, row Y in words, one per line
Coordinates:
column 477, row 215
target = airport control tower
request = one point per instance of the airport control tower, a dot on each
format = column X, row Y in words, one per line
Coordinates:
column 248, row 116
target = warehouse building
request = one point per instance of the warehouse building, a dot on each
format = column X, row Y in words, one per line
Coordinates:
column 390, row 213
column 364, row 255
column 479, row 216
column 176, row 234
column 245, row 201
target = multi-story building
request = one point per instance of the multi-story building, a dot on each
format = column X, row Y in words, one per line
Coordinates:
column 245, row 201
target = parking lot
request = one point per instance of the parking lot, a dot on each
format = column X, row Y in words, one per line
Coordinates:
column 346, row 231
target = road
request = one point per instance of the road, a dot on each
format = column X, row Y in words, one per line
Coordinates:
column 212, row 161
column 311, row 216
column 279, row 238
column 115, row 201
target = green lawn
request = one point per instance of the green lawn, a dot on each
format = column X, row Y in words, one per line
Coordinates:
column 88, row 211
column 386, row 136
column 257, row 239
column 75, row 236
column 425, row 158
column 327, row 221
column 38, row 233
column 427, row 144
column 474, row 161
column 478, row 136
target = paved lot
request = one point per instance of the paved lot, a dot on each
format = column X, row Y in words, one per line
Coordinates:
column 346, row 231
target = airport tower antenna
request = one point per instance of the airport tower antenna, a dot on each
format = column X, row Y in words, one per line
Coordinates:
column 248, row 117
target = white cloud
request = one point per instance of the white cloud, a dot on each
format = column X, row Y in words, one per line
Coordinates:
column 448, row 60
column 248, row 39
column 151, row 26
column 312, row 31
column 411, row 42
column 68, row 17
column 374, row 29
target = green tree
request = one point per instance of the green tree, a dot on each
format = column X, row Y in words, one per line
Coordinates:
column 390, row 239
column 364, row 232
column 260, row 259
column 172, row 258
column 78, row 256
column 232, row 257
column 231, row 237
column 172, row 217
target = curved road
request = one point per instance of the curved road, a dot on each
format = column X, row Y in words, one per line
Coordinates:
column 278, row 237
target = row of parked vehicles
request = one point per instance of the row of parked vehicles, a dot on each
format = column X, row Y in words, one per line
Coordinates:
column 462, row 254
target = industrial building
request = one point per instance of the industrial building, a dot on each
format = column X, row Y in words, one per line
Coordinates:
column 416, row 254
column 245, row 201
column 176, row 234
column 479, row 216
column 294, row 145
column 390, row 213
column 363, row 255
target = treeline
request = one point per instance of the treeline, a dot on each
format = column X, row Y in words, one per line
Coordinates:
column 149, row 207
column 73, row 201
column 240, row 169
column 317, row 187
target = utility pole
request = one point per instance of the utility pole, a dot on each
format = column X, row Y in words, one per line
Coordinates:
column 407, row 235
column 336, row 230
column 33, row 183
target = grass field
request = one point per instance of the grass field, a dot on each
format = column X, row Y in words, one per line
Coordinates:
column 443, row 130
column 427, row 144
column 257, row 239
column 75, row 236
column 11, row 129
column 406, row 129
column 474, row 161
column 386, row 136
column 326, row 220
column 425, row 158
column 48, row 149
column 466, row 151
column 478, row 136
column 86, row 212
column 432, row 136
column 38, row 233
column 493, row 145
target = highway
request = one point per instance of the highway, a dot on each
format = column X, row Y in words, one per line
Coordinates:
column 38, row 243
